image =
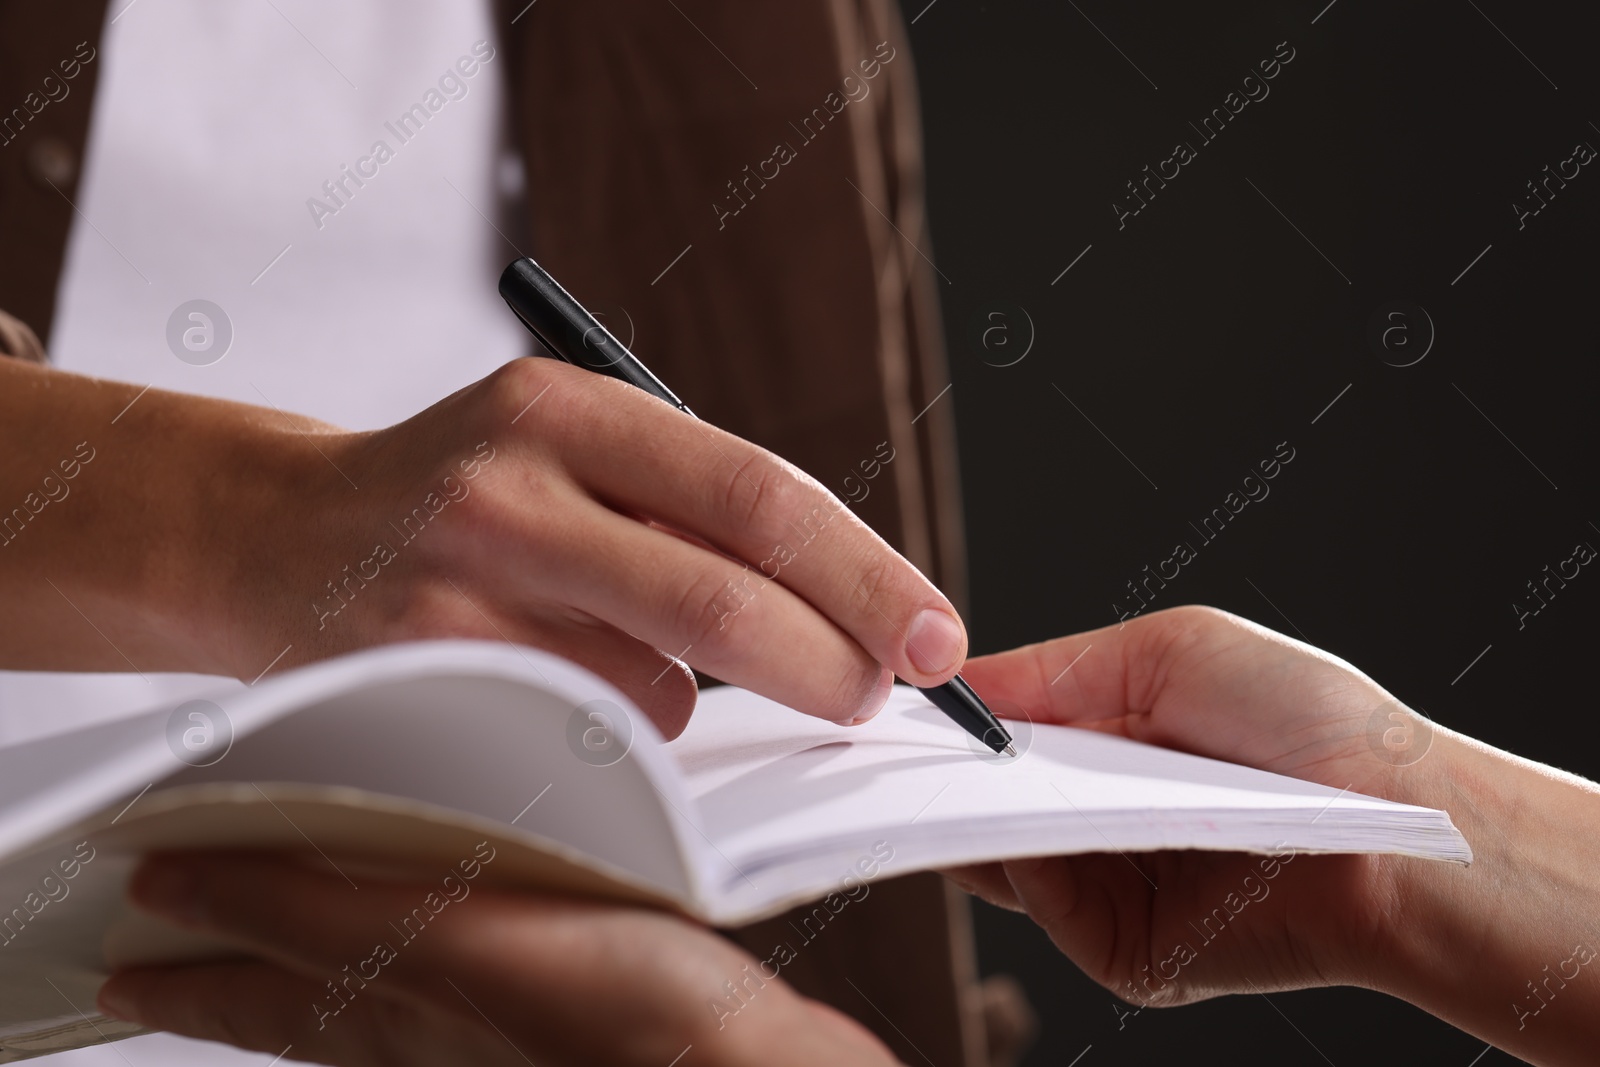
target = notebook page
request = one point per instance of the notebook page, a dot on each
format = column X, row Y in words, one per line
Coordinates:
column 790, row 801
column 455, row 730
column 480, row 727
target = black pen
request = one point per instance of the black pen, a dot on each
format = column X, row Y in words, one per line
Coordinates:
column 570, row 333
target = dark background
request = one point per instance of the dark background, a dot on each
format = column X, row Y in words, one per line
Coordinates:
column 1208, row 330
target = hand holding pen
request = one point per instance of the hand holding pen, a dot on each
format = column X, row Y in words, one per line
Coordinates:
column 571, row 333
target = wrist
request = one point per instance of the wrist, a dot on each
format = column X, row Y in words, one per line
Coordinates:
column 1424, row 903
column 1485, row 946
column 262, row 497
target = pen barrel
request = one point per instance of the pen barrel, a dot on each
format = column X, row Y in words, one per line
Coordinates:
column 570, row 332
column 957, row 700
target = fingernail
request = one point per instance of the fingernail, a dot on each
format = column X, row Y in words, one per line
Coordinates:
column 169, row 890
column 934, row 641
column 874, row 702
column 116, row 1003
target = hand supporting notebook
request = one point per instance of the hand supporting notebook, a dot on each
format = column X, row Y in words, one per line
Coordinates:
column 497, row 981
column 1476, row 946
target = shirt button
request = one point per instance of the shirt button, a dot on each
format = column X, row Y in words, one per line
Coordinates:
column 51, row 161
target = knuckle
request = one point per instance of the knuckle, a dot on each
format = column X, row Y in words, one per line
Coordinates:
column 520, row 497
column 513, row 386
column 762, row 496
column 706, row 614
column 541, row 399
column 878, row 586
column 567, row 407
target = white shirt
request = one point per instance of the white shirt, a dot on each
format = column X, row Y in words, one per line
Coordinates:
column 214, row 130
column 215, row 126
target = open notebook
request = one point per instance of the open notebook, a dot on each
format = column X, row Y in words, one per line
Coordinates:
column 525, row 770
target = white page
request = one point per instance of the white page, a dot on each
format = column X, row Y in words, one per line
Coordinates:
column 791, row 802
column 477, row 729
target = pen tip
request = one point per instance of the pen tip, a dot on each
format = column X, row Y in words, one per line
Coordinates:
column 1011, row 750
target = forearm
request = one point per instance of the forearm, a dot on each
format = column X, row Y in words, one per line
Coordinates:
column 120, row 516
column 1507, row 948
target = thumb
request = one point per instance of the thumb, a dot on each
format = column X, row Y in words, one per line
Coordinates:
column 1076, row 679
column 1084, row 903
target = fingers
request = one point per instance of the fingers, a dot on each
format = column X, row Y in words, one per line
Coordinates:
column 759, row 509
column 1068, row 679
column 273, row 907
column 720, row 616
column 319, row 927
column 1102, row 675
column 407, row 936
column 987, row 882
column 1076, row 900
column 263, row 1008
column 248, row 1005
column 549, row 973
column 662, row 687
